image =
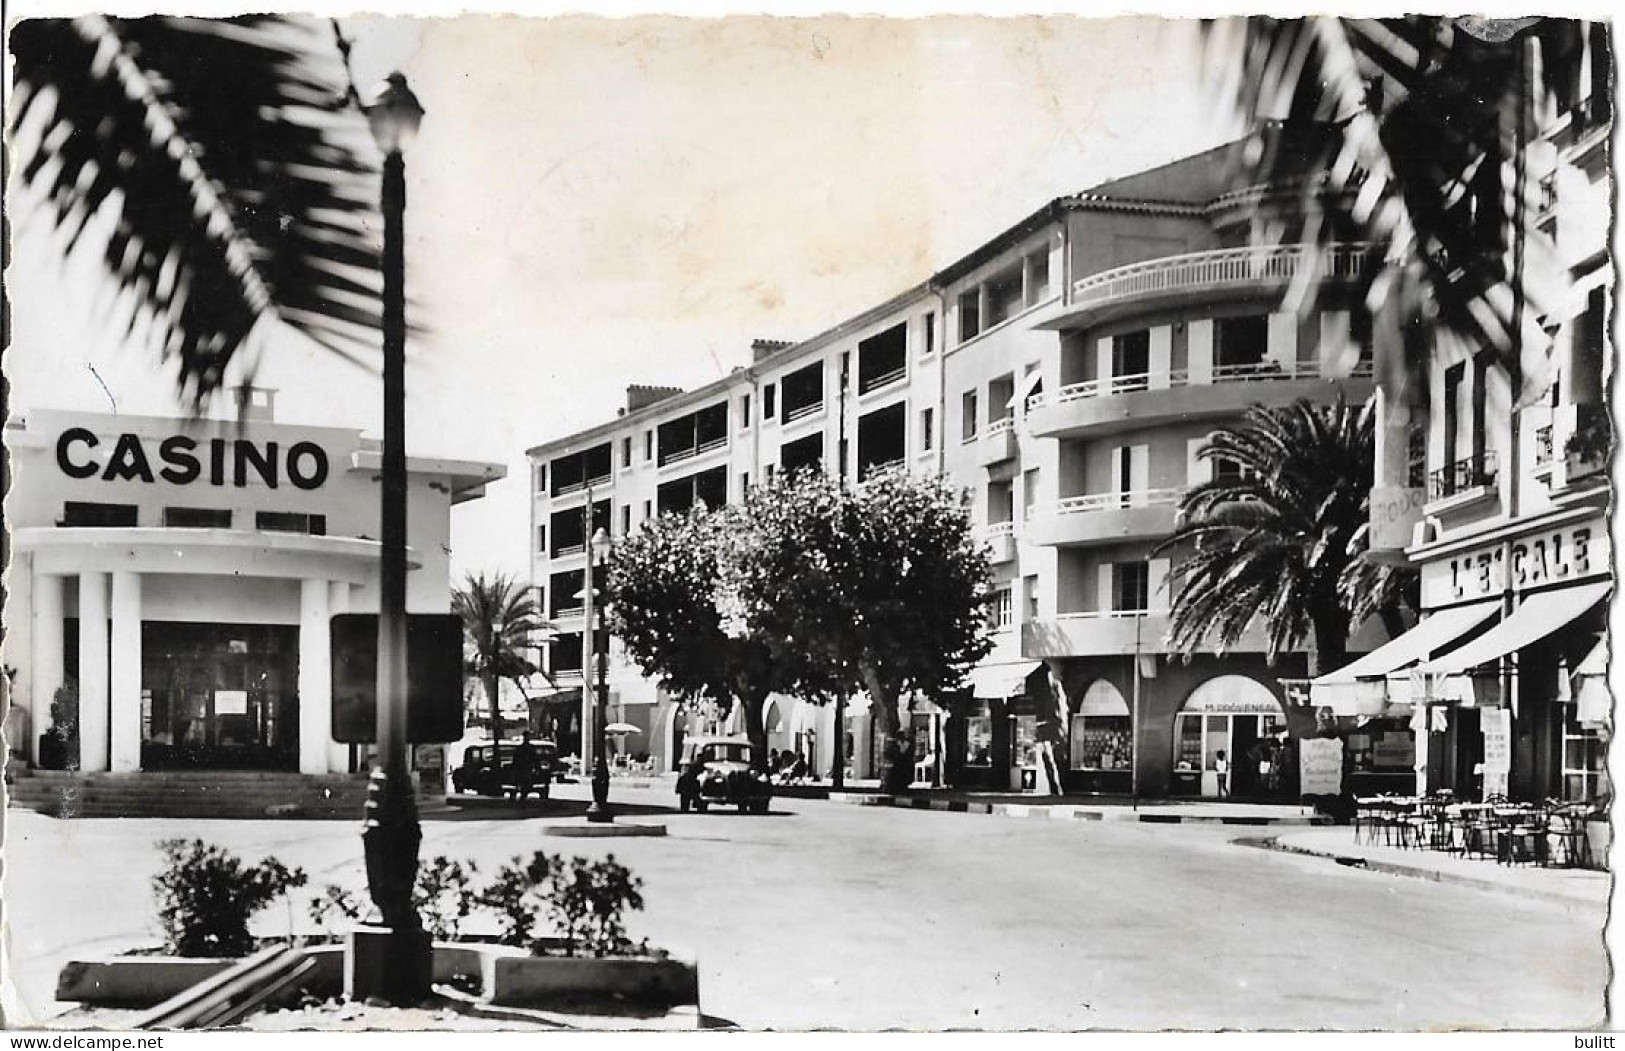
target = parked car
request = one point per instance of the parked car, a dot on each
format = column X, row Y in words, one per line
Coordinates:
column 497, row 770
column 723, row 770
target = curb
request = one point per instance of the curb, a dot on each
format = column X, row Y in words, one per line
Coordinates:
column 1390, row 868
column 1061, row 812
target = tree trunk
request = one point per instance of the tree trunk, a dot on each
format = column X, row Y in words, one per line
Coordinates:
column 1331, row 641
column 1392, row 622
column 883, row 709
column 751, row 702
column 492, row 695
column 837, row 769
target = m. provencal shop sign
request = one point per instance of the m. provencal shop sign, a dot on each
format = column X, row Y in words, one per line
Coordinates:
column 1562, row 555
column 180, row 460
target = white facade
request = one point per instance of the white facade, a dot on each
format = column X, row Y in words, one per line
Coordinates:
column 182, row 574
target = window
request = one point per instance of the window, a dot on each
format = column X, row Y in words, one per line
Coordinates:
column 967, row 415
column 648, row 509
column 1240, row 346
column 999, row 610
column 1030, row 585
column 1101, row 735
column 769, row 401
column 541, row 477
column 744, row 411
column 1454, row 376
column 1023, row 740
column 1038, row 277
column 979, row 735
column 882, row 360
column 290, row 522
column 648, row 446
column 1131, row 586
column 626, row 453
column 744, row 485
column 77, row 513
column 541, row 539
column 197, row 518
column 626, row 519
column 1001, row 503
column 927, row 429
column 1003, row 297
column 1029, row 492
column 882, row 439
column 802, row 454
column 803, row 392
column 1000, row 393
column 1585, row 758
column 970, row 314
column 1131, row 360
column 929, row 334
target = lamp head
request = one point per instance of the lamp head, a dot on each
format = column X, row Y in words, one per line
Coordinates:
column 393, row 113
column 601, row 544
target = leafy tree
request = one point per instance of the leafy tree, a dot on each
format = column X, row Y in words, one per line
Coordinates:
column 675, row 623
column 884, row 584
column 501, row 622
column 1281, row 542
column 240, row 175
column 1432, row 120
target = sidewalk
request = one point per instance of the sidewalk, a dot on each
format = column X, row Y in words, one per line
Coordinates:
column 1088, row 808
column 1569, row 886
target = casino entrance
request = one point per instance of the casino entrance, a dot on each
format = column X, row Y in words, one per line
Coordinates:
column 219, row 696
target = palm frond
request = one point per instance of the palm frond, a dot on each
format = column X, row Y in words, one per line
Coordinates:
column 240, row 177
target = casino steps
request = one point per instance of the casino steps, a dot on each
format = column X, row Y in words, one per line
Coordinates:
column 189, row 794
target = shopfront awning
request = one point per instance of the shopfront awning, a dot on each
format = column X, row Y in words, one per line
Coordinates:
column 996, row 682
column 1593, row 704
column 1031, row 384
column 1359, row 688
column 1537, row 617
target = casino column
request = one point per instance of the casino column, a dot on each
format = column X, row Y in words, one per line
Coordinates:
column 46, row 676
column 315, row 676
column 93, row 672
column 125, row 677
column 338, row 601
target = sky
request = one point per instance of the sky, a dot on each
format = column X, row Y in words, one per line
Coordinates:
column 598, row 202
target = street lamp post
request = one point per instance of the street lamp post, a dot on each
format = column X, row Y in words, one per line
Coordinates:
column 598, row 811
column 390, row 958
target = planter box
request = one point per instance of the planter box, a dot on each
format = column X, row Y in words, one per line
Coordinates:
column 133, row 981
column 534, row 981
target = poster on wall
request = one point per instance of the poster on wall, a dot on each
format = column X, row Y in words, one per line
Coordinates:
column 231, row 702
column 1497, row 728
column 1320, row 766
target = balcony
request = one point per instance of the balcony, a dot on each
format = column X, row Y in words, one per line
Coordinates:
column 1203, row 276
column 1104, row 518
column 1120, row 403
column 691, row 452
column 1466, row 478
column 998, row 443
column 801, row 412
column 870, row 384
column 1000, row 538
column 1095, row 633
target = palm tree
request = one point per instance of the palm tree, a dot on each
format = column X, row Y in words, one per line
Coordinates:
column 501, row 625
column 235, row 163
column 1432, row 120
column 1277, row 538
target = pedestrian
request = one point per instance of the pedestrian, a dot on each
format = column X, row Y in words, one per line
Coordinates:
column 1221, row 767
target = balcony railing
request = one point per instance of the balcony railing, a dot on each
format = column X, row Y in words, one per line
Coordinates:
column 1227, row 267
column 1000, row 426
column 792, row 415
column 1139, row 381
column 998, row 530
column 1073, row 505
column 566, row 550
column 1112, row 614
column 885, row 379
column 679, row 455
column 1462, row 475
column 566, row 488
column 567, row 612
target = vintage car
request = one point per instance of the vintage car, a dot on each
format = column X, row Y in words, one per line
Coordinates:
column 494, row 770
column 723, row 770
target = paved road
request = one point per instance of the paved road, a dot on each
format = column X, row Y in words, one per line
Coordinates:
column 827, row 915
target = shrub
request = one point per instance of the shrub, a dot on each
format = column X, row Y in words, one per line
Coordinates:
column 518, row 895
column 206, row 896
column 443, row 893
column 587, row 901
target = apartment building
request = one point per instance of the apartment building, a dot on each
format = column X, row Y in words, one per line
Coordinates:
column 1502, row 686
column 1065, row 374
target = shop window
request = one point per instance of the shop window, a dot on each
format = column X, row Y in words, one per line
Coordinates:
column 1100, row 742
column 290, row 522
column 1383, row 746
column 1024, row 740
column 979, row 738
column 197, row 517
column 1585, row 759
column 107, row 516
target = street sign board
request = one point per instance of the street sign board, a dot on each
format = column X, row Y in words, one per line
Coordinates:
column 434, row 675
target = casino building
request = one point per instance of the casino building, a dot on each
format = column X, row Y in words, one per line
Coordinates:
column 179, row 574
